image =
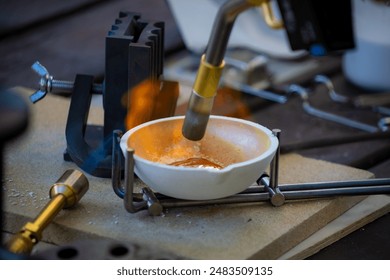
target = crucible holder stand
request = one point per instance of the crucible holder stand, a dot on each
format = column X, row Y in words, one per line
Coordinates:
column 134, row 53
column 267, row 189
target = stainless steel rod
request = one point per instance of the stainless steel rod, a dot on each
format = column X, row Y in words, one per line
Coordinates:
column 336, row 184
column 222, row 28
column 318, row 193
column 274, row 175
column 248, row 197
column 129, row 202
column 239, row 198
column 323, row 185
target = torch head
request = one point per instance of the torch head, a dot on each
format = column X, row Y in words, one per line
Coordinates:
column 197, row 116
column 201, row 100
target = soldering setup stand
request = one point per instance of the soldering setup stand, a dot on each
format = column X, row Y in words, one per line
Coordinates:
column 267, row 189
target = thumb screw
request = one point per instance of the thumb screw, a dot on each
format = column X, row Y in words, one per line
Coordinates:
column 47, row 84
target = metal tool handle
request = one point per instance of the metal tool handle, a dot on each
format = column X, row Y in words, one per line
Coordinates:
column 66, row 192
column 326, row 115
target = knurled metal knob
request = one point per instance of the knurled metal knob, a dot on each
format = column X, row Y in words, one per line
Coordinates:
column 66, row 192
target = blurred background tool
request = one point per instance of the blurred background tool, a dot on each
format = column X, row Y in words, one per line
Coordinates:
column 304, row 95
column 212, row 63
column 14, row 114
column 313, row 25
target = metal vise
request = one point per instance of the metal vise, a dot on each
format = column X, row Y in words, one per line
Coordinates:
column 134, row 53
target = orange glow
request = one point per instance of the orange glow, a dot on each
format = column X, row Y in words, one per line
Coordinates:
column 224, row 143
column 151, row 100
column 228, row 102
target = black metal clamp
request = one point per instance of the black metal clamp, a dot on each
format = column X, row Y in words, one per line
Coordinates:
column 268, row 188
column 134, row 53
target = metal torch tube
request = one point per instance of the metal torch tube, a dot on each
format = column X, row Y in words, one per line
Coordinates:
column 222, row 28
column 210, row 69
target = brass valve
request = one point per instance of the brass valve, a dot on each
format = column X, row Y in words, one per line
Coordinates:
column 269, row 16
column 65, row 193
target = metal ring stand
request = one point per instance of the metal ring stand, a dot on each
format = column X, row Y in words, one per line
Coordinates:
column 268, row 188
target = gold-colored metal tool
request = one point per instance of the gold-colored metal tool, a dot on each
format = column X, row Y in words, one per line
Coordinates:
column 212, row 63
column 65, row 193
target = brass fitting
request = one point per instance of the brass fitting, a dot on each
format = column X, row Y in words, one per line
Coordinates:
column 269, row 16
column 207, row 79
column 268, row 13
column 66, row 192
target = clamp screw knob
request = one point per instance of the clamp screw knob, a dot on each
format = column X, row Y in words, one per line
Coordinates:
column 47, row 84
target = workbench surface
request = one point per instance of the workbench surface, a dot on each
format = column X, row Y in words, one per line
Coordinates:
column 69, row 40
column 215, row 232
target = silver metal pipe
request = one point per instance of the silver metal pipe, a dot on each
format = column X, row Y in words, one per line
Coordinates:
column 265, row 94
column 222, row 28
column 302, row 92
column 133, row 201
column 338, row 119
column 129, row 202
column 272, row 185
column 288, row 195
column 353, row 184
column 290, row 192
column 238, row 198
column 330, row 192
column 210, row 70
column 274, row 174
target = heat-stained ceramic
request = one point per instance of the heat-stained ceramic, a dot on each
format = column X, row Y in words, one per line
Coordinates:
column 242, row 148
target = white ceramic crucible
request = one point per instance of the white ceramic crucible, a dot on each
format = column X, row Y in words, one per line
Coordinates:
column 244, row 149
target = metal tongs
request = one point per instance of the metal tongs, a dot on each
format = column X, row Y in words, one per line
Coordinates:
column 268, row 188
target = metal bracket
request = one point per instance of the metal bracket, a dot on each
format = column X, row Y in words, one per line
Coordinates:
column 134, row 53
column 91, row 157
column 268, row 188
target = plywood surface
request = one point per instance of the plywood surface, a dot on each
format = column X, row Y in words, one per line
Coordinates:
column 356, row 217
column 34, row 162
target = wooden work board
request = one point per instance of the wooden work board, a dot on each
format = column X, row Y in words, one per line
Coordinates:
column 35, row 161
